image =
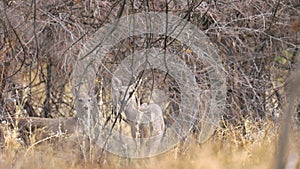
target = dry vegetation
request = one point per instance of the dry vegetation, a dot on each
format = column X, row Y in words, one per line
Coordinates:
column 258, row 42
column 229, row 148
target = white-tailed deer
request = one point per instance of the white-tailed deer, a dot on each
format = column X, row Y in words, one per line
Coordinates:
column 145, row 120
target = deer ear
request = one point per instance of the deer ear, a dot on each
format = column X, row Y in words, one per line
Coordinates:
column 116, row 83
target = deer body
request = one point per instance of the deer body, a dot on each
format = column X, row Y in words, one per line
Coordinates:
column 156, row 117
column 145, row 120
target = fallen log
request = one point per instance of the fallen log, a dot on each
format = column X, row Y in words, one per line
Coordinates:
column 68, row 125
column 27, row 125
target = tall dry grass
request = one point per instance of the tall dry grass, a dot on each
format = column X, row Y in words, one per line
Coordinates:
column 250, row 145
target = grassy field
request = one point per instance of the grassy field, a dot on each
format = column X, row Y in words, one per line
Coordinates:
column 247, row 146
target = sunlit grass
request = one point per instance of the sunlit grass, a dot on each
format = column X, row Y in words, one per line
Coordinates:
column 230, row 147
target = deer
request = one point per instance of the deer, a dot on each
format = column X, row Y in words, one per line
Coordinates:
column 145, row 120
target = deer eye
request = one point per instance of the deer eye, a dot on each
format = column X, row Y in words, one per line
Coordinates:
column 121, row 93
column 89, row 100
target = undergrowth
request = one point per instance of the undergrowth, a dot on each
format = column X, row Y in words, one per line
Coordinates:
column 248, row 145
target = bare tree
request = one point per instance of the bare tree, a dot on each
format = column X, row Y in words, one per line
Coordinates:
column 40, row 41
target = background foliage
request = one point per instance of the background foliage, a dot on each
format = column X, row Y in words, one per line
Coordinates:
column 257, row 40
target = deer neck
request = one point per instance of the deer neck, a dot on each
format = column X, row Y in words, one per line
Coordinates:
column 131, row 109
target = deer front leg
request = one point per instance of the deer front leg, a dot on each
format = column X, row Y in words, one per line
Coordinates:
column 133, row 129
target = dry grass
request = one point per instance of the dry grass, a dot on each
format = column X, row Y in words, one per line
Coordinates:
column 231, row 147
